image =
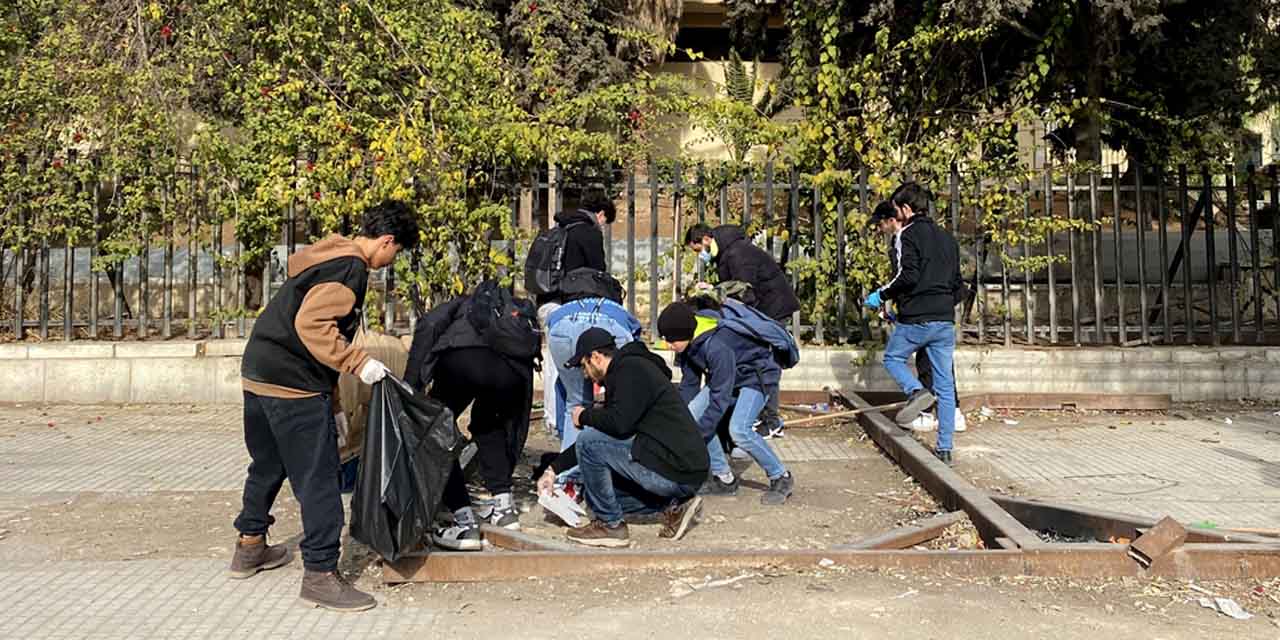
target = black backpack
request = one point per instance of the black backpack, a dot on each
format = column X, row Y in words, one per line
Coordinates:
column 585, row 282
column 542, row 267
column 507, row 323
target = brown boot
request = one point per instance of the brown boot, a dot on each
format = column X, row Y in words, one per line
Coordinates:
column 677, row 520
column 328, row 589
column 599, row 534
column 253, row 554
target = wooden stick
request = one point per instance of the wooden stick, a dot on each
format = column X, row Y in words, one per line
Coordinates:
column 844, row 414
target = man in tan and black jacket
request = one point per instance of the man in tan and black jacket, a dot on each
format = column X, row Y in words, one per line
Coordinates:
column 300, row 344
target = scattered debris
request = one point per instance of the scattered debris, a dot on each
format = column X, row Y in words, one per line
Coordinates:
column 683, row 587
column 826, row 563
column 1227, row 607
column 1012, row 423
column 906, row 594
column 1227, row 420
column 4, row 533
column 987, row 412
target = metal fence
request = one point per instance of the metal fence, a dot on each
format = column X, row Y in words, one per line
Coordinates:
column 1155, row 256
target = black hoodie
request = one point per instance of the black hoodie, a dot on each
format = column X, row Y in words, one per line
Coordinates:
column 738, row 259
column 641, row 402
column 926, row 283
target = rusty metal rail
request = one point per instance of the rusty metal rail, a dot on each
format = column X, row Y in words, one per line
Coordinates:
column 1007, row 525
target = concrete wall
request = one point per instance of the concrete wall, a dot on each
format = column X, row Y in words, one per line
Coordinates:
column 209, row 372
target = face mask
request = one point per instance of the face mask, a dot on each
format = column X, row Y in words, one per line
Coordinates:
column 705, row 256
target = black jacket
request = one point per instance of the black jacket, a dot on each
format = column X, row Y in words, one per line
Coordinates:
column 641, row 402
column 926, row 282
column 583, row 246
column 446, row 328
column 738, row 259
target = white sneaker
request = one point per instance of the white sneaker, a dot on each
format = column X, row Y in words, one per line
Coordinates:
column 458, row 537
column 924, row 422
column 960, row 421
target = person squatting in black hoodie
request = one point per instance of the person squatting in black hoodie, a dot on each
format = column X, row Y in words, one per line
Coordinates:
column 300, row 343
column 639, row 453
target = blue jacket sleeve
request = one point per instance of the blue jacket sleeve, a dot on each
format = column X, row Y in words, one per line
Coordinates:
column 690, row 383
column 722, row 369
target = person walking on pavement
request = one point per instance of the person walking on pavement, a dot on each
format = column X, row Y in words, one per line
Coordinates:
column 299, row 345
column 885, row 219
column 739, row 375
column 924, row 287
column 735, row 258
column 639, row 453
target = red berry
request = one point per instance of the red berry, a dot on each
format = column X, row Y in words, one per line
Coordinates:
column 316, row 195
column 166, row 32
column 311, row 166
column 533, row 6
column 57, row 164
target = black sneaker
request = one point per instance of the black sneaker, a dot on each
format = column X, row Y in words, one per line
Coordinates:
column 714, row 486
column 918, row 402
column 458, row 537
column 779, row 490
column 944, row 456
column 508, row 518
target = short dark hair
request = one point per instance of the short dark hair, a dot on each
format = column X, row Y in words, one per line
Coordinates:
column 884, row 211
column 596, row 200
column 696, row 233
column 391, row 218
column 914, row 195
column 608, row 350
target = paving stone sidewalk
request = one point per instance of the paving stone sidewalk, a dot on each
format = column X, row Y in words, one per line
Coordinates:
column 1195, row 470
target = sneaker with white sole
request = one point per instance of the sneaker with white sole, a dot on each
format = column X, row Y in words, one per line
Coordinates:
column 923, row 422
column 919, row 401
column 458, row 537
column 505, row 517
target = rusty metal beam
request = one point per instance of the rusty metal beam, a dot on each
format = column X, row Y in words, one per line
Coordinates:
column 946, row 486
column 1192, row 561
column 517, row 541
column 910, row 535
column 1084, row 522
column 1167, row 535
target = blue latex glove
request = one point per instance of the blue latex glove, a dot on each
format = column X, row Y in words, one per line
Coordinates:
column 872, row 301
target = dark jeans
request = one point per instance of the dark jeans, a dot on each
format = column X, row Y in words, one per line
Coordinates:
column 924, row 371
column 617, row 485
column 490, row 384
column 295, row 439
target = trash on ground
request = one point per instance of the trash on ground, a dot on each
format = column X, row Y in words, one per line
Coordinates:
column 563, row 507
column 683, row 587
column 906, row 594
column 1227, row 420
column 1012, row 423
column 1227, row 607
column 826, row 563
column 987, row 412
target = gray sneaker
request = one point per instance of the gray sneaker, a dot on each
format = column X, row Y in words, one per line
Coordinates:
column 917, row 403
column 458, row 537
column 779, row 490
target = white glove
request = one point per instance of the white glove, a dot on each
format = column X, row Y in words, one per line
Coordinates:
column 344, row 428
column 373, row 371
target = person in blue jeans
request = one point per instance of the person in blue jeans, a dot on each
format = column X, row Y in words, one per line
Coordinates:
column 925, row 288
column 740, row 373
column 574, row 389
column 639, row 453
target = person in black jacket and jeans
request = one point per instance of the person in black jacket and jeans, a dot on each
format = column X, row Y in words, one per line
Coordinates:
column 639, row 453
column 925, row 287
column 736, row 258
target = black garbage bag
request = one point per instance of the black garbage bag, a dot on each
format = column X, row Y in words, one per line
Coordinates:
column 410, row 445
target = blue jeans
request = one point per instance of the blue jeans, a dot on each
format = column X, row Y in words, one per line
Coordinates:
column 938, row 339
column 742, row 427
column 618, row 485
column 572, row 387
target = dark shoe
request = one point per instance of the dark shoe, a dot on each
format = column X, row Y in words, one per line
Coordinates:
column 458, row 537
column 779, row 490
column 677, row 520
column 252, row 557
column 944, row 456
column 918, row 402
column 508, row 518
column 599, row 534
column 329, row 590
column 714, row 486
